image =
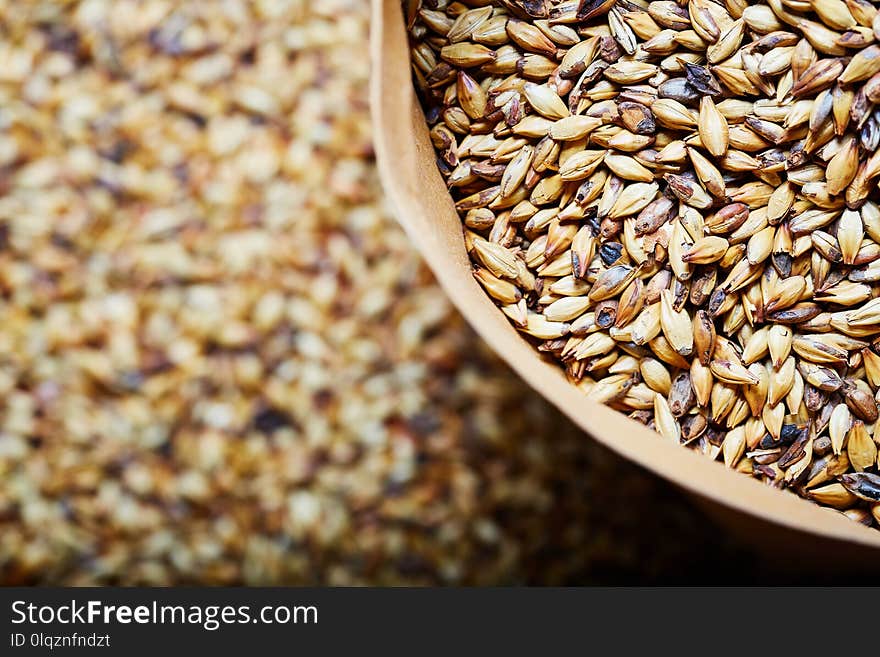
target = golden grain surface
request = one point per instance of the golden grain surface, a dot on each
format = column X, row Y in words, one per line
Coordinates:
column 221, row 361
column 691, row 182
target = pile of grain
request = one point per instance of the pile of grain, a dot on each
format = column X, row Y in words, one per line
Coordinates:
column 678, row 201
column 221, row 362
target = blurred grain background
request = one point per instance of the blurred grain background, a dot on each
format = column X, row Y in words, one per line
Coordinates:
column 220, row 360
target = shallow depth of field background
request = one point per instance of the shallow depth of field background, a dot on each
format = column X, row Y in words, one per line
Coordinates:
column 220, row 359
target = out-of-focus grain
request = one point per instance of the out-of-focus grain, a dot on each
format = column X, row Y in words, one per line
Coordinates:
column 221, row 361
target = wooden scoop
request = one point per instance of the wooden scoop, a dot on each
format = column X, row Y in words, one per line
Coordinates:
column 795, row 533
